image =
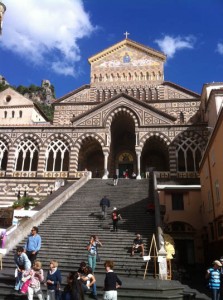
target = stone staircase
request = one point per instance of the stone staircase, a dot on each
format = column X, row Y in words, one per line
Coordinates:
column 66, row 233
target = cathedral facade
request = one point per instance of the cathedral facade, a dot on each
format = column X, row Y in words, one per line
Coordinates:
column 127, row 118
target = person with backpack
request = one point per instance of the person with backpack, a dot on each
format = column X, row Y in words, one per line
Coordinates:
column 115, row 218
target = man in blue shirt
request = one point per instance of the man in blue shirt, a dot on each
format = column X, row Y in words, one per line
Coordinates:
column 33, row 244
column 104, row 203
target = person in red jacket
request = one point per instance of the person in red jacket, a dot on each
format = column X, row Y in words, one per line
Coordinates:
column 115, row 218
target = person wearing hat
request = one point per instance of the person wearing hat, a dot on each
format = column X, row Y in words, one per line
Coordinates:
column 115, row 217
column 138, row 245
column 213, row 275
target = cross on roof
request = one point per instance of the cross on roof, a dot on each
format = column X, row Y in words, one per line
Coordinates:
column 126, row 34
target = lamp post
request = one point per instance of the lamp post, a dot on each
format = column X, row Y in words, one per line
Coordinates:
column 2, row 11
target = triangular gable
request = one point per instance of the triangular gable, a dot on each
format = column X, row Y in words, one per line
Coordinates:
column 175, row 91
column 10, row 97
column 79, row 95
column 127, row 43
column 146, row 114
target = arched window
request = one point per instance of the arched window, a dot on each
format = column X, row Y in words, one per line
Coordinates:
column 3, row 156
column 188, row 155
column 129, row 77
column 143, row 95
column 57, row 156
column 20, row 113
column 149, row 94
column 108, row 94
column 103, row 95
column 181, row 118
column 5, row 114
column 114, row 93
column 13, row 114
column 26, row 156
column 137, row 94
column 155, row 94
column 141, row 76
column 98, row 96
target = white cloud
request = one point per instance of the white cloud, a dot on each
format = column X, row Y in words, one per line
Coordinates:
column 170, row 45
column 220, row 48
column 46, row 32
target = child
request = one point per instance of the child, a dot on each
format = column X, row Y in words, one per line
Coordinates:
column 53, row 280
column 22, row 264
column 36, row 277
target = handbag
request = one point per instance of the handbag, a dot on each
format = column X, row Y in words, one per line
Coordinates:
column 24, row 288
column 58, row 292
column 98, row 259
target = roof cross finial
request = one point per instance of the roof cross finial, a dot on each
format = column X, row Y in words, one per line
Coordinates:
column 126, row 34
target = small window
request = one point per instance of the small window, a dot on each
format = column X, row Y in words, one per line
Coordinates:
column 177, row 201
column 13, row 114
column 8, row 98
column 20, row 113
column 5, row 114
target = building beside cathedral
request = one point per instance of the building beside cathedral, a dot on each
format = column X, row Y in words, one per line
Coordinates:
column 127, row 118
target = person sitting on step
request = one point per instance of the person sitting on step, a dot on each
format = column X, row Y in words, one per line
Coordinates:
column 138, row 245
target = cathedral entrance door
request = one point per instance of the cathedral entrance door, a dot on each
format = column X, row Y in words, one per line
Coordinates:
column 123, row 168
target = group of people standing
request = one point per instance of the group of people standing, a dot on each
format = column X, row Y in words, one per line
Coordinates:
column 29, row 274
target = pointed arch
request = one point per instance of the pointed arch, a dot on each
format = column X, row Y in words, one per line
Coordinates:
column 26, row 156
column 3, row 155
column 189, row 147
column 119, row 110
column 57, row 156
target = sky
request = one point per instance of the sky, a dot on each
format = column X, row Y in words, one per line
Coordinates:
column 43, row 40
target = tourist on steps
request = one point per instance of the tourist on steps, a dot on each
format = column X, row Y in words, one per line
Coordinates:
column 73, row 289
column 22, row 264
column 138, row 245
column 111, row 283
column 92, row 251
column 33, row 244
column 88, row 282
column 53, row 280
column 105, row 204
column 115, row 218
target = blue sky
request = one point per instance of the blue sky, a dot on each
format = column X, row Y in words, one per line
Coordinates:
column 42, row 40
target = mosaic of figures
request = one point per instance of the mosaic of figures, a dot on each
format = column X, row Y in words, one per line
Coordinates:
column 126, row 63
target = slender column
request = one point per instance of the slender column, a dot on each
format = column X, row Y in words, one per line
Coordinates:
column 138, row 155
column 105, row 176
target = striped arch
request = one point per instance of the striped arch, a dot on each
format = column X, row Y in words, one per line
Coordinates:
column 29, row 136
column 89, row 154
column 85, row 136
column 154, row 134
column 6, row 139
column 57, row 152
column 5, row 144
column 122, row 110
column 27, row 148
column 60, row 136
